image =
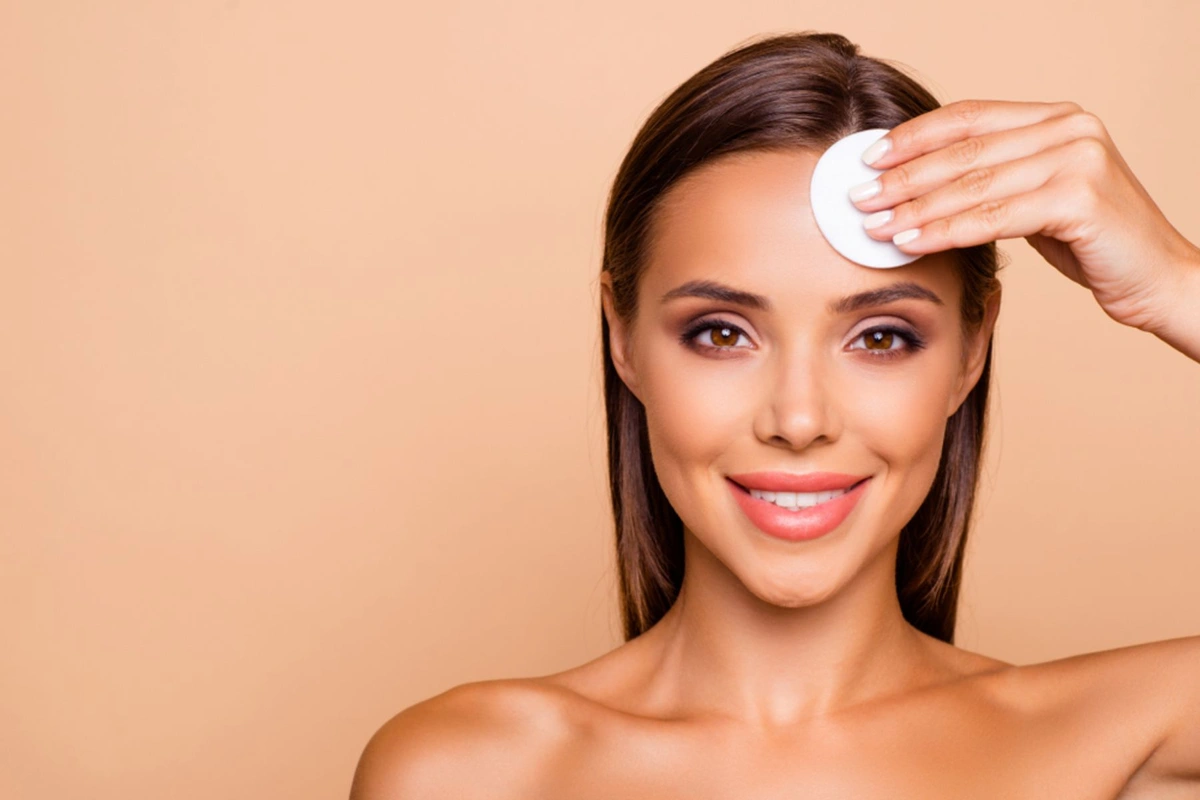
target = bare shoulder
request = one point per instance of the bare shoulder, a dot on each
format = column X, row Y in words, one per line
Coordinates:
column 1152, row 671
column 490, row 739
column 1147, row 693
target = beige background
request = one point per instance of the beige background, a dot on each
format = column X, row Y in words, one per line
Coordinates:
column 300, row 412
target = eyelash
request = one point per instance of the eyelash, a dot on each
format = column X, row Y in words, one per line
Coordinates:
column 913, row 342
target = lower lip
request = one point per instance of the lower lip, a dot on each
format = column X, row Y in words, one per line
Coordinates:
column 800, row 525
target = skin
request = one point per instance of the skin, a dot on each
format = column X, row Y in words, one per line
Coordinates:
column 786, row 669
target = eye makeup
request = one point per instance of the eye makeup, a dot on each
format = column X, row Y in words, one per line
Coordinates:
column 687, row 338
column 913, row 341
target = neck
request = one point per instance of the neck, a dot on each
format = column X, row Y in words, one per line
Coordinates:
column 723, row 650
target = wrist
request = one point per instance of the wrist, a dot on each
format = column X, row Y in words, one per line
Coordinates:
column 1179, row 324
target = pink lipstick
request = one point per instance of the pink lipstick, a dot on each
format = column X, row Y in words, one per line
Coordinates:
column 816, row 502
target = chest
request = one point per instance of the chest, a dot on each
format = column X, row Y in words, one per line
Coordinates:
column 937, row 753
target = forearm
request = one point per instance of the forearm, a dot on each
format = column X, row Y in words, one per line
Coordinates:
column 1180, row 328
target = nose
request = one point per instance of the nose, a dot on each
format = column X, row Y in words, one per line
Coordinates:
column 798, row 407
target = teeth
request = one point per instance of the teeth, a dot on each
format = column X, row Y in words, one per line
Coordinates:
column 795, row 500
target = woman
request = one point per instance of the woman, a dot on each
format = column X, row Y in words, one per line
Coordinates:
column 807, row 650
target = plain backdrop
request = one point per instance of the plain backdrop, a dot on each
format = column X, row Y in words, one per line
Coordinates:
column 300, row 411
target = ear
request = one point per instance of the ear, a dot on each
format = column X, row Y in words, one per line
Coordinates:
column 618, row 336
column 977, row 346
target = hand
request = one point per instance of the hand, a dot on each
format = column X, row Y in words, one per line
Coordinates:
column 975, row 171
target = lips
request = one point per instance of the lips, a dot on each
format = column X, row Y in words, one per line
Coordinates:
column 796, row 482
column 803, row 523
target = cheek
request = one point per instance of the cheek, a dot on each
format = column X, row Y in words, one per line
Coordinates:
column 900, row 418
column 696, row 409
column 903, row 422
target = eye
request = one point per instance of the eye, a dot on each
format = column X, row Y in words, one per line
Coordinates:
column 719, row 335
column 882, row 342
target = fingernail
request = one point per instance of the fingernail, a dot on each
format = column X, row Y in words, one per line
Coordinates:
column 864, row 190
column 876, row 151
column 877, row 219
column 903, row 237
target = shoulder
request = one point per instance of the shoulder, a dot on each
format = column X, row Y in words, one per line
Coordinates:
column 1147, row 672
column 490, row 739
column 1148, row 695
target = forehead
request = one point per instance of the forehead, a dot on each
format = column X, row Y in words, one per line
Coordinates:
column 745, row 219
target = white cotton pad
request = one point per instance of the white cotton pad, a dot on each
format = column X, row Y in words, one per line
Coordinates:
column 841, row 223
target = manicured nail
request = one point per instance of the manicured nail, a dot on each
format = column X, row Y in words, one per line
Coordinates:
column 877, row 219
column 864, row 190
column 876, row 151
column 904, row 237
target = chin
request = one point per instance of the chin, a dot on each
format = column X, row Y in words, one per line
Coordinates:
column 794, row 590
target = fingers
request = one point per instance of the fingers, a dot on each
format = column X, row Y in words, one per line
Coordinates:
column 959, row 159
column 952, row 122
column 985, row 185
column 978, row 225
column 976, row 171
column 1018, row 202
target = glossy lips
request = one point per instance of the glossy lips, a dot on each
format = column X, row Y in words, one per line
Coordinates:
column 805, row 523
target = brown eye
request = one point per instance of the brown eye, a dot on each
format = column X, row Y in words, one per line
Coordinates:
column 879, row 340
column 886, row 342
column 715, row 335
column 723, row 336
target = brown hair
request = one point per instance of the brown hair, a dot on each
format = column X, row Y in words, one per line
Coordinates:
column 801, row 90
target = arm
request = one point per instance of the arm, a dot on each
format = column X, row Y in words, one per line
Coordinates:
column 1172, row 667
column 1134, row 709
column 1180, row 326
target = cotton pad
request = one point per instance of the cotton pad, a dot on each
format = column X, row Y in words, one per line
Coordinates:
column 840, row 222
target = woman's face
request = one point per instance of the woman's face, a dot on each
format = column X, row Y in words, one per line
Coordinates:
column 808, row 382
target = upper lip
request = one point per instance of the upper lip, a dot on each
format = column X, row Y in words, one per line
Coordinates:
column 796, row 482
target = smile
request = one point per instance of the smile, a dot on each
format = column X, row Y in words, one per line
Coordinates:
column 798, row 516
column 796, row 500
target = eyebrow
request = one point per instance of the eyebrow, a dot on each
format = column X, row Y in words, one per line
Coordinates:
column 712, row 290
